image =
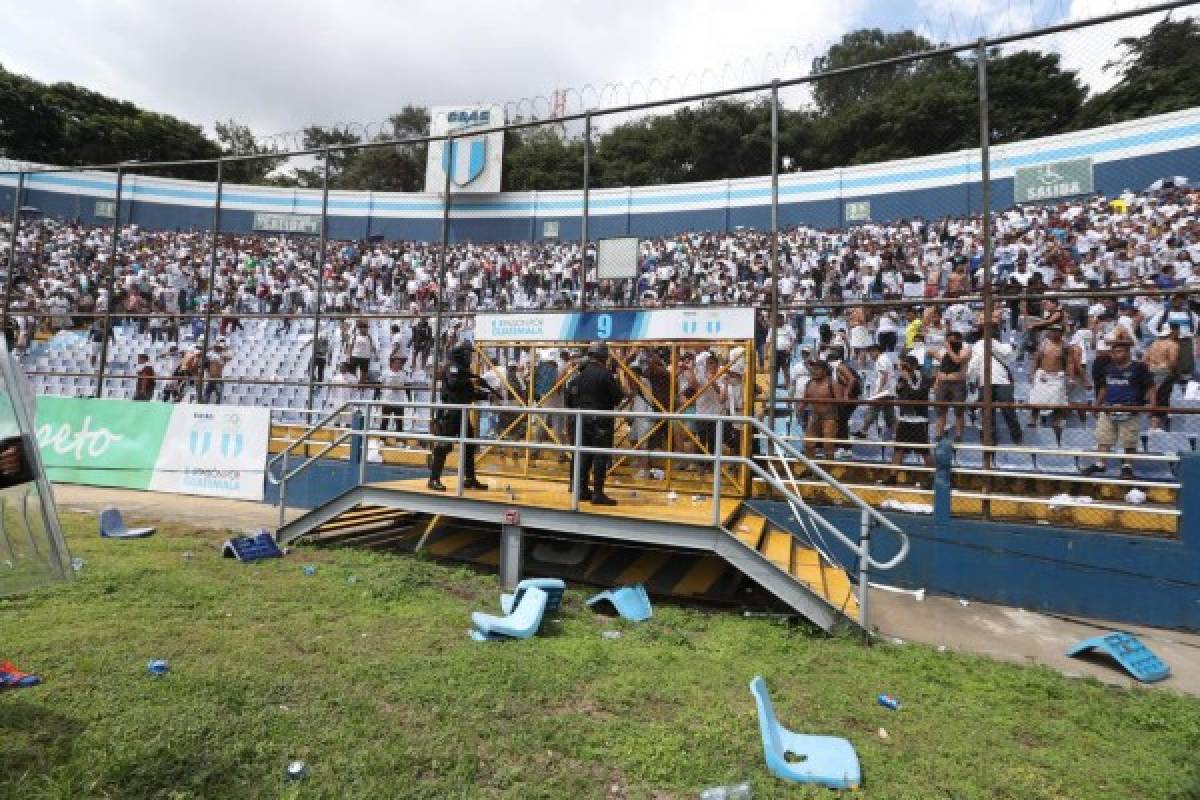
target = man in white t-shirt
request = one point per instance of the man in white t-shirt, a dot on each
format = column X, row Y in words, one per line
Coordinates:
column 394, row 380
column 882, row 395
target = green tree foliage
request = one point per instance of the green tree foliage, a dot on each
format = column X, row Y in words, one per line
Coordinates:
column 237, row 139
column 62, row 123
column 1160, row 72
column 390, row 168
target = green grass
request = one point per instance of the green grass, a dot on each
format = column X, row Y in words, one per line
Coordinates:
column 376, row 685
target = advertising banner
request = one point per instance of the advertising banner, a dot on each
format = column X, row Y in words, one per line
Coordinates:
column 217, row 451
column 1057, row 179
column 621, row 326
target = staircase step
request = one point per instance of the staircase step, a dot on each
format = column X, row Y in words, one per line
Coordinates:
column 777, row 547
column 750, row 529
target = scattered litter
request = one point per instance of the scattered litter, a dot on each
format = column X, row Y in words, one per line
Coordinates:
column 352, row 579
column 1129, row 652
column 77, row 564
column 657, row 474
column 1072, row 675
column 962, row 601
column 252, row 548
column 188, row 555
column 297, row 771
column 284, row 708
column 697, row 498
column 672, row 496
column 1135, row 496
column 883, row 734
column 158, row 667
column 112, row 526
column 611, row 634
column 917, row 594
column 743, row 528
column 889, row 702
column 628, row 602
column 309, row 569
column 941, row 648
column 739, row 791
column 908, row 507
column 897, row 640
column 1067, row 500
column 13, row 678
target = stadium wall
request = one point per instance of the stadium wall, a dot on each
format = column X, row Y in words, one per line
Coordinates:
column 1128, row 155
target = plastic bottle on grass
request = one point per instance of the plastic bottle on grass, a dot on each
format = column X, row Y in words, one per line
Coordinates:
column 740, row 791
column 889, row 702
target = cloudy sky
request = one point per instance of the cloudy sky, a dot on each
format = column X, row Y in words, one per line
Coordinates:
column 278, row 66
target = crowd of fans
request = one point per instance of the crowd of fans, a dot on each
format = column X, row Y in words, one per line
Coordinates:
column 890, row 314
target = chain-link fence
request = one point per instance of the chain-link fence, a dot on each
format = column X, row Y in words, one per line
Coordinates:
column 910, row 230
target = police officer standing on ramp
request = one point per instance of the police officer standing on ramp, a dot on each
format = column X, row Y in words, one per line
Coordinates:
column 596, row 388
column 459, row 386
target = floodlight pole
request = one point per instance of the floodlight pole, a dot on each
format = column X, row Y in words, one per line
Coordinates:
column 583, row 237
column 12, row 248
column 448, row 167
column 112, row 274
column 771, row 365
column 212, row 278
column 316, row 340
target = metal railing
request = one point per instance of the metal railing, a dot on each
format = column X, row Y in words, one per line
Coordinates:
column 869, row 516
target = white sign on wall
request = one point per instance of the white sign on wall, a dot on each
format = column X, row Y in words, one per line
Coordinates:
column 474, row 162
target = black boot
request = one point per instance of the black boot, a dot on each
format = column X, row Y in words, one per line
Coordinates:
column 436, row 485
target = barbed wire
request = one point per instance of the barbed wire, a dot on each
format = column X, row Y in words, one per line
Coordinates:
column 1004, row 17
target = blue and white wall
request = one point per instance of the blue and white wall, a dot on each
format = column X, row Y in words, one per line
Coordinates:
column 1128, row 155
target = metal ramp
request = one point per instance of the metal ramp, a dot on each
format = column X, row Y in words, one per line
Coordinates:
column 794, row 568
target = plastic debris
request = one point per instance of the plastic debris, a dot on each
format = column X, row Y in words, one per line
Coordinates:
column 297, row 771
column 888, row 701
column 611, row 634
column 352, row 579
column 941, row 648
column 672, row 496
column 1067, row 500
column 158, row 667
column 738, row 791
column 77, row 564
column 1135, row 496
column 188, row 555
column 883, row 734
column 13, row 678
column 309, row 569
column 916, row 594
column 964, row 602
column 907, row 507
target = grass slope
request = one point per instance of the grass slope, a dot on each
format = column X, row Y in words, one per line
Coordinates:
column 375, row 684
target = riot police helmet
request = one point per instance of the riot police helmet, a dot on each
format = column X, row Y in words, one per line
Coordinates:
column 598, row 350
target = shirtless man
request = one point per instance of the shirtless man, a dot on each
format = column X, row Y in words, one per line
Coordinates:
column 1162, row 359
column 950, row 384
column 822, row 415
column 1050, row 377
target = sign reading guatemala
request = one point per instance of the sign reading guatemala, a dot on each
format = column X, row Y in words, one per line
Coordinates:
column 1056, row 179
column 621, row 326
column 473, row 162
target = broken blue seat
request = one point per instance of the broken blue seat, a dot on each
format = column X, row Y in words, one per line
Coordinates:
column 252, row 548
column 553, row 587
column 630, row 602
column 522, row 623
column 829, row 761
column 112, row 526
column 1129, row 652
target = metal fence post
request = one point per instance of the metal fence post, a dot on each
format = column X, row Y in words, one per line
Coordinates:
column 448, row 166
column 583, row 236
column 364, row 425
column 987, row 398
column 106, row 329
column 575, row 462
column 12, row 248
column 770, row 360
column 464, row 417
column 864, row 569
column 212, row 277
column 716, row 487
column 283, row 479
column 312, row 377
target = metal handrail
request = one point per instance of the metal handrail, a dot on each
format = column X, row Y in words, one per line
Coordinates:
column 307, row 436
column 462, row 440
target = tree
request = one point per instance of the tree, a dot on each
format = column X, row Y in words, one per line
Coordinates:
column 66, row 124
column 835, row 93
column 237, row 139
column 1160, row 72
column 1031, row 95
column 544, row 159
column 390, row 168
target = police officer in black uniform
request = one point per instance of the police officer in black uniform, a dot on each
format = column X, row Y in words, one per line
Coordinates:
column 458, row 386
column 595, row 387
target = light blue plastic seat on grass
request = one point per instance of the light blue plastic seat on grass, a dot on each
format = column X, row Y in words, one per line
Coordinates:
column 825, row 760
column 630, row 602
column 112, row 526
column 553, row 587
column 522, row 623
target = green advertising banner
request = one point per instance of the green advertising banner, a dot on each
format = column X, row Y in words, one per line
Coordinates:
column 101, row 442
column 219, row 451
column 1056, row 179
